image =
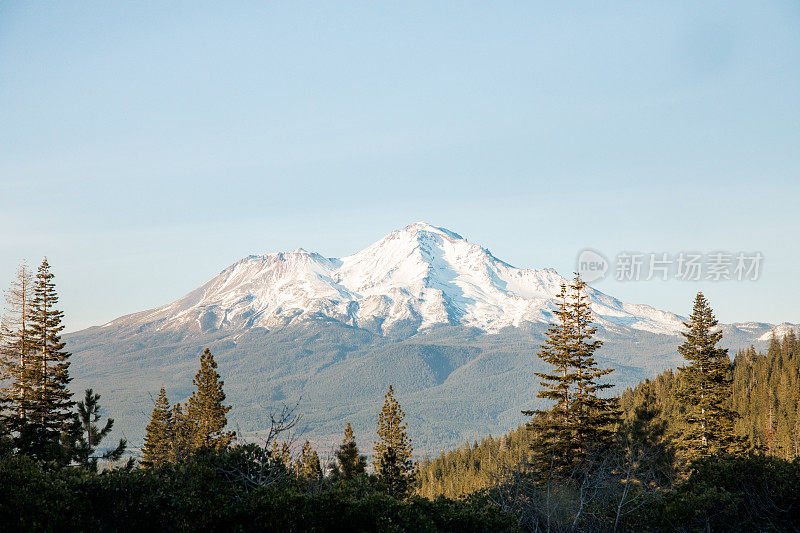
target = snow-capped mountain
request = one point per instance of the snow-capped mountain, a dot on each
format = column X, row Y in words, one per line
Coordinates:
column 412, row 310
column 421, row 274
column 780, row 331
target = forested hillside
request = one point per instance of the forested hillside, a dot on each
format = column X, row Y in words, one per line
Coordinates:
column 766, row 392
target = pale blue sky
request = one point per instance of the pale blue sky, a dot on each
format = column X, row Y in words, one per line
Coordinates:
column 144, row 146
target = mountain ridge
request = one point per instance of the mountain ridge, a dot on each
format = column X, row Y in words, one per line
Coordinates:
column 418, row 273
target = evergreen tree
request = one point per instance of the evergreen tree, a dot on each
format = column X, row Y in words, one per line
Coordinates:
column 392, row 452
column 704, row 387
column 49, row 404
column 15, row 350
column 308, row 466
column 595, row 416
column 6, row 441
column 648, row 457
column 183, row 432
column 206, row 410
column 157, row 448
column 350, row 462
column 88, row 434
column 579, row 422
column 795, row 431
column 281, row 454
column 555, row 447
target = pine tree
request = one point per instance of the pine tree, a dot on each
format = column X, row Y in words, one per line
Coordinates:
column 704, row 387
column 555, row 448
column 391, row 458
column 15, row 350
column 157, row 448
column 281, row 454
column 50, row 402
column 594, row 415
column 647, row 455
column 87, row 435
column 579, row 421
column 350, row 462
column 308, row 466
column 183, row 432
column 796, row 431
column 206, row 410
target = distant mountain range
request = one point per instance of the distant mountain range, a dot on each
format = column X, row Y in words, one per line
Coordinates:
column 455, row 329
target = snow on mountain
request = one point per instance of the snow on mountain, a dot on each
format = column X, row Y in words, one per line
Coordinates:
column 780, row 331
column 420, row 274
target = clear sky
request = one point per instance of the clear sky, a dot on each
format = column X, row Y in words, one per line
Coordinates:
column 144, row 146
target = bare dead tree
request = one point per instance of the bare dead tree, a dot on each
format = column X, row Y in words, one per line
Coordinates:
column 15, row 340
column 251, row 465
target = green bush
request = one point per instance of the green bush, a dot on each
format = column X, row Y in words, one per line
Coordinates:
column 200, row 495
column 206, row 493
column 754, row 493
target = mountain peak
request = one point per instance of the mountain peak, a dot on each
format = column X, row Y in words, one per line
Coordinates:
column 421, row 274
column 425, row 227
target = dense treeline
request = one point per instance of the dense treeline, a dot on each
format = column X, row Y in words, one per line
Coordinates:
column 474, row 466
column 483, row 465
column 765, row 393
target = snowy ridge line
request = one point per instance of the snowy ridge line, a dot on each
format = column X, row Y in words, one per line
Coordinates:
column 421, row 275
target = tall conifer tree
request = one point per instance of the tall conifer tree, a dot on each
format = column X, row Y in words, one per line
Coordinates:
column 307, row 466
column 579, row 421
column 392, row 451
column 281, row 454
column 554, row 445
column 595, row 415
column 205, row 408
column 157, row 448
column 704, row 388
column 350, row 462
column 88, row 434
column 50, row 402
column 183, row 433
